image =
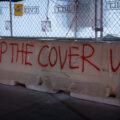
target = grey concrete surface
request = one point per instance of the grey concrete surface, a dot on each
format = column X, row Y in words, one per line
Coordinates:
column 19, row 103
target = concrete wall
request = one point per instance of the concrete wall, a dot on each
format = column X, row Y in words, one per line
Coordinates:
column 86, row 70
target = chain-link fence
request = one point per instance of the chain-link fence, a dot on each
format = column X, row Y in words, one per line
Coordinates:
column 111, row 19
column 81, row 19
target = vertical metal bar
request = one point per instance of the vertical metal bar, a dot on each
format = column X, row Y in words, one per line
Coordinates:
column 11, row 29
column 101, row 20
column 76, row 26
column 95, row 19
column 76, row 10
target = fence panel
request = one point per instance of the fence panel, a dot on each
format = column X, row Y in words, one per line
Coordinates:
column 77, row 19
column 48, row 18
column 5, row 18
column 111, row 18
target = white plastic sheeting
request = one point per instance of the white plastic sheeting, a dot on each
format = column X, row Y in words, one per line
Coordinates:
column 57, row 18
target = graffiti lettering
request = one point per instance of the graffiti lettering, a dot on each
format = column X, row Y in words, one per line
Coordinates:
column 73, row 57
column 22, row 51
column 3, row 49
column 60, row 57
column 39, row 56
column 85, row 58
column 111, row 63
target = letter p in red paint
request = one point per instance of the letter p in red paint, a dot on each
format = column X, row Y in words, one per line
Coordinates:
column 3, row 49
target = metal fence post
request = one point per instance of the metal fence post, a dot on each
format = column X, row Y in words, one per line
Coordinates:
column 95, row 19
column 11, row 29
column 101, row 20
column 76, row 16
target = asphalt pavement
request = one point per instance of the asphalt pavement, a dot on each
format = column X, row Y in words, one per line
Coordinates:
column 19, row 103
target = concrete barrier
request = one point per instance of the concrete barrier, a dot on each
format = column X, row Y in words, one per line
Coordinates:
column 87, row 70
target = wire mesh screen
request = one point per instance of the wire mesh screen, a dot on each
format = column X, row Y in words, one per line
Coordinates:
column 111, row 18
column 60, row 18
column 48, row 18
column 4, row 18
